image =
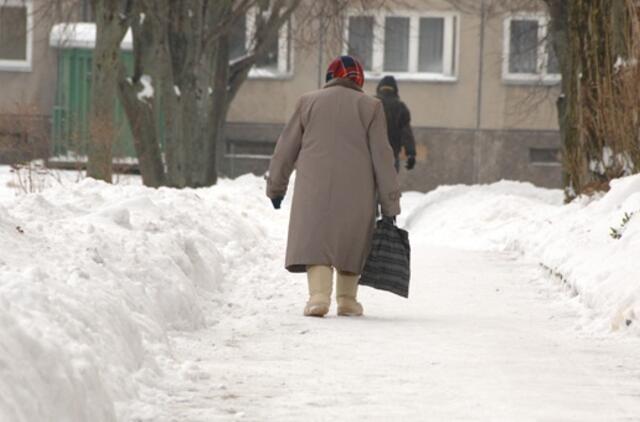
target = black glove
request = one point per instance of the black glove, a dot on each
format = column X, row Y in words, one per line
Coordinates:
column 277, row 201
column 411, row 162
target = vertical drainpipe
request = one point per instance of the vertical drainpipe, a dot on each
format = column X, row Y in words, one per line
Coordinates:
column 476, row 149
column 480, row 66
column 320, row 51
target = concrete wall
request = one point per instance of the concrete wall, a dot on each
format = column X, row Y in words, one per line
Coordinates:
column 249, row 148
column 27, row 96
column 433, row 103
column 485, row 156
column 445, row 156
column 35, row 88
column 506, row 105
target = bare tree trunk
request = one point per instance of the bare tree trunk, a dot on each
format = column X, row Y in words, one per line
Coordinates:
column 563, row 39
column 218, row 112
column 142, row 120
column 110, row 30
column 141, row 110
column 183, row 47
column 596, row 43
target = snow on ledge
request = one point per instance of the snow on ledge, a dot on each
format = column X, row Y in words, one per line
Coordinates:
column 267, row 73
column 411, row 77
column 81, row 35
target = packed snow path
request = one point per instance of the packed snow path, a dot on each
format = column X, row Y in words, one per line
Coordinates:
column 484, row 337
column 123, row 303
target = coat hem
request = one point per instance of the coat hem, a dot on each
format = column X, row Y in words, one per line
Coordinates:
column 296, row 268
column 302, row 268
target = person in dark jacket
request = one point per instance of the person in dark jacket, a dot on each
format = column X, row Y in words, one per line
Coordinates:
column 398, row 121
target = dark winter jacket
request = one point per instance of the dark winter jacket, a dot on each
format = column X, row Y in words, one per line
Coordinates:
column 398, row 117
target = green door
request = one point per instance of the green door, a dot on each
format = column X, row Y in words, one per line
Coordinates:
column 73, row 100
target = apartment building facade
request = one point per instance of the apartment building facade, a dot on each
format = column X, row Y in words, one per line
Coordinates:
column 480, row 80
column 481, row 84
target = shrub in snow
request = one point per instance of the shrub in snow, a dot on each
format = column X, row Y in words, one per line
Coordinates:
column 616, row 233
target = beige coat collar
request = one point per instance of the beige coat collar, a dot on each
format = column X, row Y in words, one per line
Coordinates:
column 345, row 82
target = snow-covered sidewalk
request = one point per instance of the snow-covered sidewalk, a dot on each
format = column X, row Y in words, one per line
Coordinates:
column 132, row 304
column 485, row 337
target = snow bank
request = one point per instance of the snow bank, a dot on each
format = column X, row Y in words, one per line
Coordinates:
column 573, row 241
column 92, row 277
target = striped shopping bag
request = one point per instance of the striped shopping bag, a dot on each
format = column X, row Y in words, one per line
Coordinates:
column 388, row 264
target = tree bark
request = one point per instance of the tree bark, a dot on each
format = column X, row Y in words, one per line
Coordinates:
column 567, row 104
column 141, row 112
column 141, row 117
column 184, row 48
column 596, row 47
column 110, row 31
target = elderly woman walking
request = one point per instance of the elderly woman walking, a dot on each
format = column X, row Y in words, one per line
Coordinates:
column 337, row 142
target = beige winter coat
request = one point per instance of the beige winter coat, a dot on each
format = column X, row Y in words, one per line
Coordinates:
column 337, row 142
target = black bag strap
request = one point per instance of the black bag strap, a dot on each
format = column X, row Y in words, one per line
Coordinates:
column 388, row 220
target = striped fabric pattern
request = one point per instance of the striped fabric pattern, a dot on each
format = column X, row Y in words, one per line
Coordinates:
column 346, row 67
column 388, row 266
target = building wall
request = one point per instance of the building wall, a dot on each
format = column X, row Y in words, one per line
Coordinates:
column 27, row 97
column 507, row 105
column 433, row 104
column 36, row 87
column 456, row 144
column 445, row 155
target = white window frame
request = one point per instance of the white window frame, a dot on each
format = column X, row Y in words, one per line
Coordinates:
column 20, row 65
column 285, row 49
column 450, row 72
column 542, row 76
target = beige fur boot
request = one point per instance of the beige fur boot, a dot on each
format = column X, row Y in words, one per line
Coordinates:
column 320, row 279
column 346, row 291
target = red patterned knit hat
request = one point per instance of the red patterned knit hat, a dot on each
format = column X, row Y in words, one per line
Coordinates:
column 346, row 67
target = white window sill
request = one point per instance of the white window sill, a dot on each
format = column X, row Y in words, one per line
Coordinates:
column 550, row 164
column 14, row 66
column 531, row 80
column 412, row 77
column 268, row 74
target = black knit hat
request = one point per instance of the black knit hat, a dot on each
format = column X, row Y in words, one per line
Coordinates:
column 388, row 83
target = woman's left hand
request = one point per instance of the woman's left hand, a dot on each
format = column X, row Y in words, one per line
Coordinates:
column 277, row 201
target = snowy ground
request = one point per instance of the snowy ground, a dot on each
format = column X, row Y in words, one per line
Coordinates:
column 131, row 304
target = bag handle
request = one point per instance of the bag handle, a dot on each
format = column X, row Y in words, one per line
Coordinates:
column 388, row 220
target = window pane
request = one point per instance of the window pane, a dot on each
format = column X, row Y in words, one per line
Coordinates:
column 454, row 46
column 361, row 39
column 13, row 33
column 544, row 155
column 289, row 50
column 553, row 66
column 238, row 38
column 396, row 44
column 269, row 60
column 430, row 56
column 523, row 46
